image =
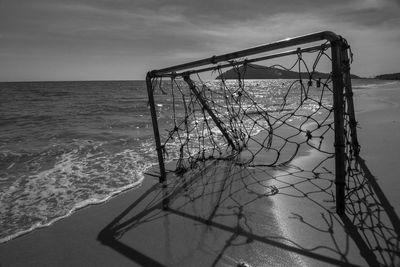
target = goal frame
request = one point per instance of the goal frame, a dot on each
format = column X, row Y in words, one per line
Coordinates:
column 341, row 83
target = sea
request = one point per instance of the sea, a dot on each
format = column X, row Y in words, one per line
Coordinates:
column 67, row 145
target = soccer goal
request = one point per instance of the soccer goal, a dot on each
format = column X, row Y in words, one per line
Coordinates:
column 260, row 106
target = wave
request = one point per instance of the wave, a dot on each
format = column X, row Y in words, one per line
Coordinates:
column 26, row 119
column 367, row 84
column 77, row 207
column 40, row 188
column 107, row 109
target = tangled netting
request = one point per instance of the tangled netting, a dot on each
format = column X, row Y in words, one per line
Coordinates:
column 255, row 122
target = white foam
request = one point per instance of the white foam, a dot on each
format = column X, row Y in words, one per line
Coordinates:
column 87, row 174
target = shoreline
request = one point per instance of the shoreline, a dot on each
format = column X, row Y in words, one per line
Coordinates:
column 78, row 206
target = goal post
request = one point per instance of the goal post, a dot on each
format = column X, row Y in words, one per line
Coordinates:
column 224, row 118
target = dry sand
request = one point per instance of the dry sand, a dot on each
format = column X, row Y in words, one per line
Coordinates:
column 227, row 215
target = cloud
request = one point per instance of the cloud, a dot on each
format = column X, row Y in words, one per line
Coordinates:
column 170, row 32
column 371, row 14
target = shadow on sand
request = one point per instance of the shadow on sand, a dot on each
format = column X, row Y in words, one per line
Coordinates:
column 225, row 214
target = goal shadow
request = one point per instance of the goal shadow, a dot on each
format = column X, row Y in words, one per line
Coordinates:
column 221, row 211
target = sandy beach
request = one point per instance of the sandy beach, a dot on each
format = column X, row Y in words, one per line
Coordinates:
column 199, row 133
column 229, row 215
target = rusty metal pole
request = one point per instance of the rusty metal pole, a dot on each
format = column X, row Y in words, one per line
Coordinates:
column 338, row 105
column 350, row 102
column 155, row 128
column 192, row 87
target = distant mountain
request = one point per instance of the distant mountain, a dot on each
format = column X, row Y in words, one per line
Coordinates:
column 393, row 76
column 253, row 71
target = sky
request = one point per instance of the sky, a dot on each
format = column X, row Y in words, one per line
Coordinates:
column 123, row 39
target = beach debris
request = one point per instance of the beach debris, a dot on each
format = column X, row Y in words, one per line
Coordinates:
column 243, row 264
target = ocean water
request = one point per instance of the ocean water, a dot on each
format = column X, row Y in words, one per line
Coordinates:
column 65, row 145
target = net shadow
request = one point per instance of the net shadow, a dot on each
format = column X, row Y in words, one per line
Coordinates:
column 370, row 217
column 239, row 201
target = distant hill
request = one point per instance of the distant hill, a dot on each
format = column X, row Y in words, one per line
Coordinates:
column 393, row 76
column 254, row 71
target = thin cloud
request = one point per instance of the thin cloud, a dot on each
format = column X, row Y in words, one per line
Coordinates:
column 146, row 32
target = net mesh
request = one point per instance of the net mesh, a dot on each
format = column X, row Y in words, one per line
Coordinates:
column 254, row 122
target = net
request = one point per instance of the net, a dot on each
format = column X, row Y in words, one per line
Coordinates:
column 253, row 122
column 290, row 106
